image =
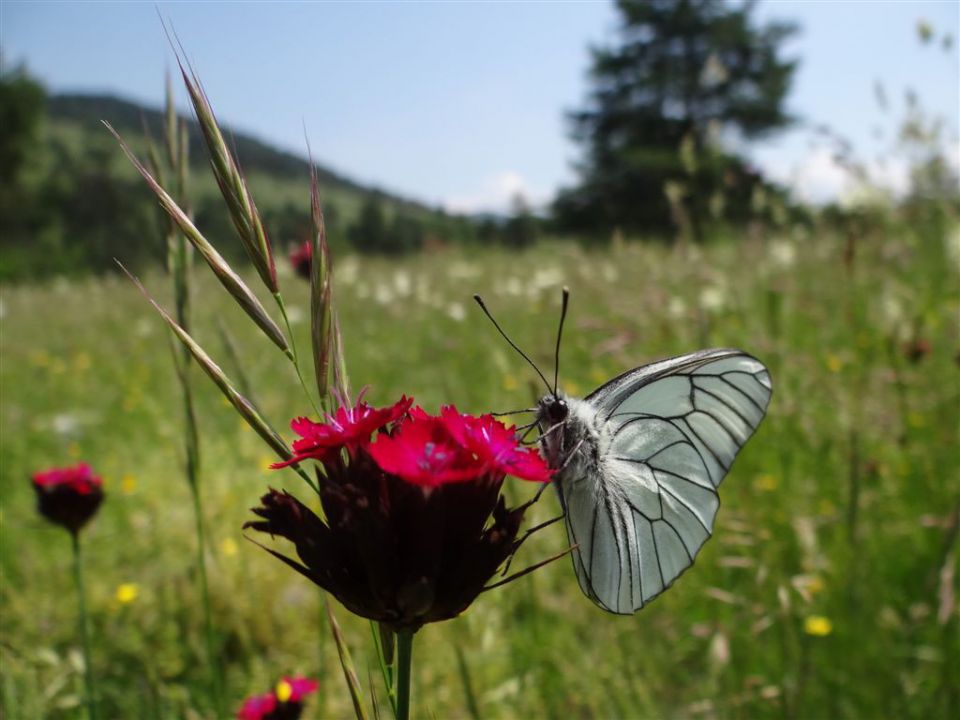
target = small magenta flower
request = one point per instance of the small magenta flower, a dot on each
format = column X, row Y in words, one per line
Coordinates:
column 415, row 522
column 284, row 703
column 68, row 496
column 301, row 258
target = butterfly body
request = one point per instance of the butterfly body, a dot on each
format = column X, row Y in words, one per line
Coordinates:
column 638, row 463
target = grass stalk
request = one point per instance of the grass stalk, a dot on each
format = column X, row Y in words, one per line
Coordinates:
column 84, row 628
column 404, row 665
column 213, row 659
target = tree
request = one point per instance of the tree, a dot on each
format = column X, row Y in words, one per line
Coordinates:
column 685, row 74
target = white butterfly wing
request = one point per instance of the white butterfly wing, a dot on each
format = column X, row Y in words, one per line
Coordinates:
column 671, row 431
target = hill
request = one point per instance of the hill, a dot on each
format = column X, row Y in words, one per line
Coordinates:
column 70, row 202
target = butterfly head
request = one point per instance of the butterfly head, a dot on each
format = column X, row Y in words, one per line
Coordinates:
column 553, row 409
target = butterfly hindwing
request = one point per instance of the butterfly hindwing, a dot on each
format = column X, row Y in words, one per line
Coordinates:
column 670, row 432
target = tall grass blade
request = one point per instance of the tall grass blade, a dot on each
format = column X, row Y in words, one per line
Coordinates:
column 233, row 186
column 243, row 406
column 321, row 325
column 228, row 278
column 346, row 663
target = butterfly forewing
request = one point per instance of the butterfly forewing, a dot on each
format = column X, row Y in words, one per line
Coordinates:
column 670, row 432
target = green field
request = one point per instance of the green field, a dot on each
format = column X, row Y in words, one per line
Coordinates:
column 826, row 591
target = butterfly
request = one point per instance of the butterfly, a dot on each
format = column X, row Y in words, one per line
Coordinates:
column 638, row 463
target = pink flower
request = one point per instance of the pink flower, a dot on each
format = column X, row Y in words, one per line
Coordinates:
column 496, row 445
column 284, row 703
column 415, row 524
column 68, row 496
column 348, row 428
column 423, row 452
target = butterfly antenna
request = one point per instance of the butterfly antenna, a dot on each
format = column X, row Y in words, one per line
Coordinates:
column 507, row 338
column 556, row 355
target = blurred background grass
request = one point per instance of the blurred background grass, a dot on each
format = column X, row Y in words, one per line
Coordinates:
column 844, row 506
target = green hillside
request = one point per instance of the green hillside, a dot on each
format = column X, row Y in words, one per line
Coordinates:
column 71, row 202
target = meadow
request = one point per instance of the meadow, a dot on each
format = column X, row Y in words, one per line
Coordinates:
column 826, row 591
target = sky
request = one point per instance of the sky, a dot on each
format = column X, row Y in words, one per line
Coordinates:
column 461, row 104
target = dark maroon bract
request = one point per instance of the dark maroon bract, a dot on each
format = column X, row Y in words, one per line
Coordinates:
column 68, row 496
column 415, row 522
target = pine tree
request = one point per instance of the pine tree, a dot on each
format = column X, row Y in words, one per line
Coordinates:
column 685, row 74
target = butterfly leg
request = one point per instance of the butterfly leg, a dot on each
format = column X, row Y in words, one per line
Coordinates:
column 527, row 534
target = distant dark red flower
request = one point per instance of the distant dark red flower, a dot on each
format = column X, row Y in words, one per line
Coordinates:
column 416, row 525
column 301, row 258
column 916, row 350
column 68, row 496
column 347, row 428
column 284, row 703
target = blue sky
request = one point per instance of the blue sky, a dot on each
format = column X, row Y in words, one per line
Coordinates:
column 461, row 103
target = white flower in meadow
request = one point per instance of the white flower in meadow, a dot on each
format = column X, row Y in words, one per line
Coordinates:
column 513, row 286
column 347, row 270
column 609, row 272
column 546, row 277
column 456, row 311
column 892, row 310
column 295, row 314
column 463, row 271
column 65, row 424
column 143, row 327
column 401, row 282
column 676, row 308
column 383, row 295
column 713, row 298
column 952, row 246
column 783, row 253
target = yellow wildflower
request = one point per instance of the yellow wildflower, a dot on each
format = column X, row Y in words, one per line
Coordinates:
column 128, row 483
column 284, row 691
column 81, row 361
column 228, row 546
column 127, row 593
column 73, row 450
column 766, row 482
column 40, row 359
column 817, row 625
column 834, row 363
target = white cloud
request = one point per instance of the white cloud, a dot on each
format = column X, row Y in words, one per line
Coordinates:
column 819, row 178
column 495, row 195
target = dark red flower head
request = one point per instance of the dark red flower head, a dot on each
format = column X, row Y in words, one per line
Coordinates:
column 284, row 703
column 301, row 258
column 68, row 496
column 416, row 525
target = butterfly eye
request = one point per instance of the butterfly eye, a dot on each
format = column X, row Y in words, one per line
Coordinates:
column 557, row 410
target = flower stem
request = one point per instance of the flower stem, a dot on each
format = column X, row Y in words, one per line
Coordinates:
column 84, row 628
column 404, row 664
column 212, row 659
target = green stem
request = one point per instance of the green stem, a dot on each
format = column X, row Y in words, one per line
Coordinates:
column 212, row 659
column 84, row 628
column 404, row 664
